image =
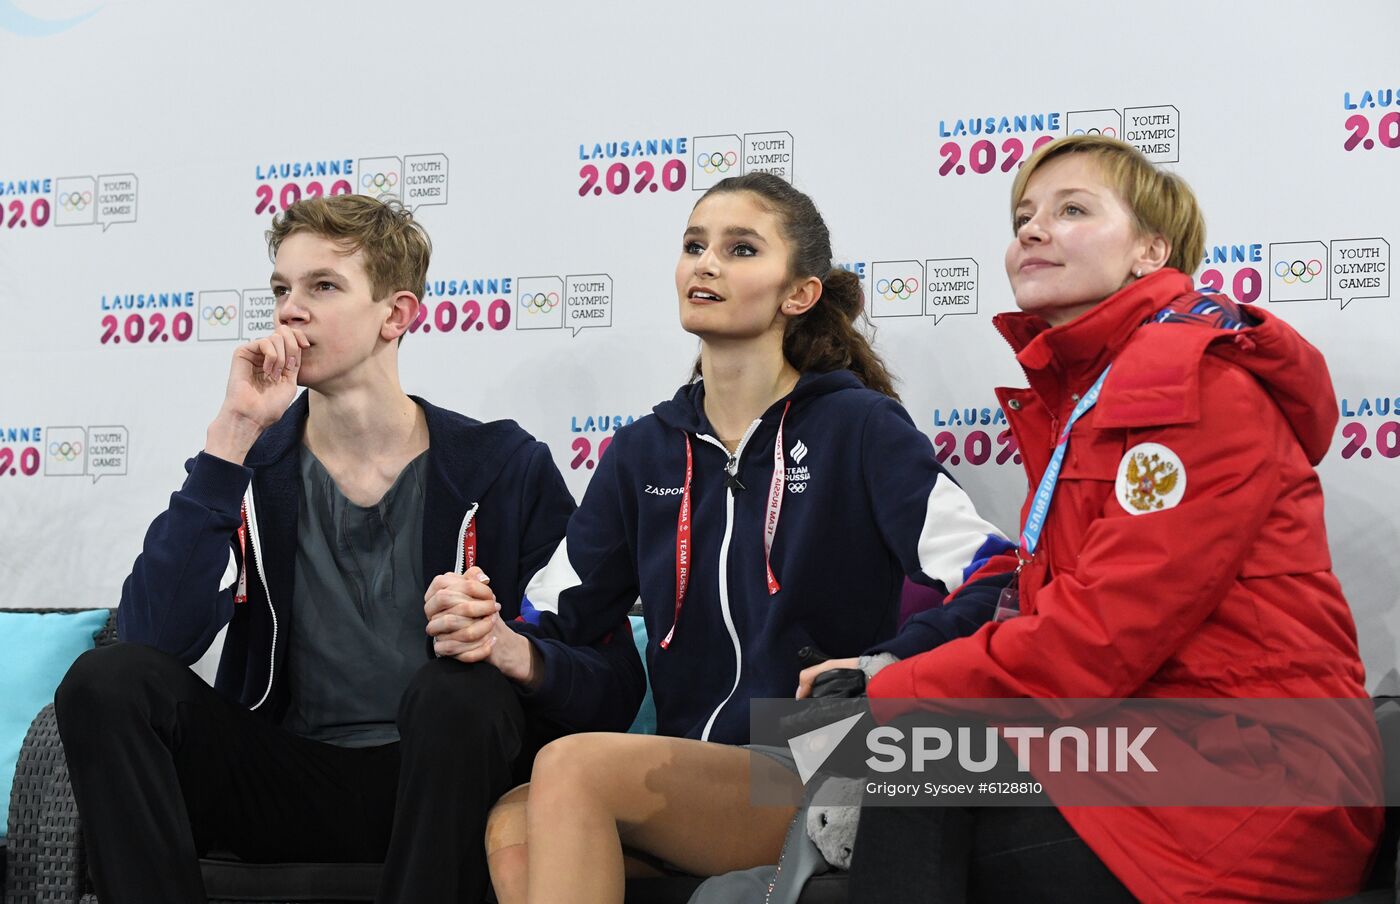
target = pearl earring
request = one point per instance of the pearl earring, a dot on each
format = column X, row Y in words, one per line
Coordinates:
column 1138, row 273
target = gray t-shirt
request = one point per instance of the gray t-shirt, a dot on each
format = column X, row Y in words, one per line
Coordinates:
column 357, row 633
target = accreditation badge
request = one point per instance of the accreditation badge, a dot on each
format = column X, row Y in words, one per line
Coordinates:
column 1009, row 603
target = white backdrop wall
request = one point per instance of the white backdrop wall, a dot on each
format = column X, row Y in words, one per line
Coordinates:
column 554, row 150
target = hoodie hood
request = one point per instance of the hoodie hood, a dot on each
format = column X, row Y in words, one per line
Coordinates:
column 1295, row 375
column 468, row 468
column 686, row 410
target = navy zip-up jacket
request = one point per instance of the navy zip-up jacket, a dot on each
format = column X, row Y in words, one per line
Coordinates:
column 175, row 600
column 864, row 503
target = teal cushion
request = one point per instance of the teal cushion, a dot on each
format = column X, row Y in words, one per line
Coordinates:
column 35, row 652
column 645, row 723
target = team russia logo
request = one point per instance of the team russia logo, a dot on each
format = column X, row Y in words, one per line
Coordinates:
column 798, row 476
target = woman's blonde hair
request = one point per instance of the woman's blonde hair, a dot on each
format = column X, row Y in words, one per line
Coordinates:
column 1161, row 202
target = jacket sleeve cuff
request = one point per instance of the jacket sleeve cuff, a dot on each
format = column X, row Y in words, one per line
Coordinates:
column 552, row 689
column 893, row 682
column 217, row 484
column 912, row 641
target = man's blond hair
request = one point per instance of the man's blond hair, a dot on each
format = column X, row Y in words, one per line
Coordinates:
column 396, row 248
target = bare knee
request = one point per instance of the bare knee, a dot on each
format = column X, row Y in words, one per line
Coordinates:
column 507, row 855
column 570, row 766
column 505, row 826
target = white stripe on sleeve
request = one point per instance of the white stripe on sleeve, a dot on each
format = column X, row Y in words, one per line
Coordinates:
column 230, row 577
column 953, row 533
column 551, row 580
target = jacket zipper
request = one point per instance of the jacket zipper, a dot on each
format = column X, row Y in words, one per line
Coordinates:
column 731, row 468
column 256, row 549
column 1007, row 339
column 1010, row 422
column 461, row 538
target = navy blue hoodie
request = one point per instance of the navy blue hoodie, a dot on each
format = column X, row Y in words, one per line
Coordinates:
column 494, row 475
column 864, row 503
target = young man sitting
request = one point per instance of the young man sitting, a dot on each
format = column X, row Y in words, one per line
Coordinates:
column 353, row 717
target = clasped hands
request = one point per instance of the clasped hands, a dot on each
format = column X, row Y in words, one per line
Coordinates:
column 464, row 621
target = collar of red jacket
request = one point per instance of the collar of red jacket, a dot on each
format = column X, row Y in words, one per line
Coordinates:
column 1074, row 354
column 1156, row 380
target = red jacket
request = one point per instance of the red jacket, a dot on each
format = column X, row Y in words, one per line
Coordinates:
column 1225, row 590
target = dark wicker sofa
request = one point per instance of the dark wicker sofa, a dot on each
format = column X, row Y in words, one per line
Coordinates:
column 45, row 859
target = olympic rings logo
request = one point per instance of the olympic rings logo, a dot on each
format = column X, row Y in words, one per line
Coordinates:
column 539, row 302
column 902, row 289
column 1298, row 271
column 65, row 451
column 1110, row 131
column 382, row 182
column 716, row 162
column 221, row 315
column 75, row 200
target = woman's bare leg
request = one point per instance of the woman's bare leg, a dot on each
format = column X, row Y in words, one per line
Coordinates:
column 507, row 854
column 505, row 846
column 684, row 802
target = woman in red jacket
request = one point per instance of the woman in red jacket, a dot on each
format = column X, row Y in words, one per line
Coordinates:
column 1184, row 555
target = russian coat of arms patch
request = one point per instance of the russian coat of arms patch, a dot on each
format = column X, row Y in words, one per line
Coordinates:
column 1151, row 478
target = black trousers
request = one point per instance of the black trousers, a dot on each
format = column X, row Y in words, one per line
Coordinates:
column 954, row 854
column 165, row 769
